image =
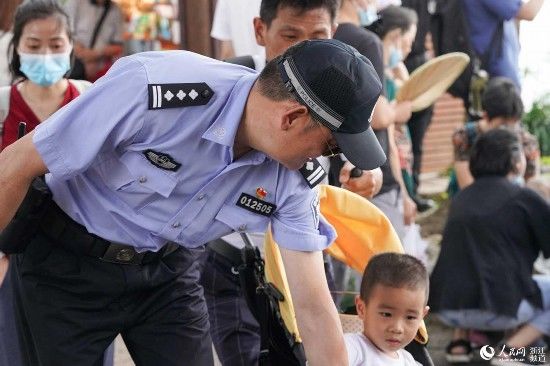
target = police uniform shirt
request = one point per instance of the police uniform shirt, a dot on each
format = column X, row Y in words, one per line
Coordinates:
column 136, row 173
column 258, row 239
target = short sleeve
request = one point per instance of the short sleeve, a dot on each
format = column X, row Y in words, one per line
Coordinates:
column 221, row 28
column 503, row 9
column 109, row 115
column 298, row 225
column 353, row 346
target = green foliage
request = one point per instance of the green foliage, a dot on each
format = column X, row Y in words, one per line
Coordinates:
column 537, row 121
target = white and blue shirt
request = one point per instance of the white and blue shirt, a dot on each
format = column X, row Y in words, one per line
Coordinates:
column 98, row 152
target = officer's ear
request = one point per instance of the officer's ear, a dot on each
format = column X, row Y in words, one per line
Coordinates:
column 260, row 29
column 294, row 115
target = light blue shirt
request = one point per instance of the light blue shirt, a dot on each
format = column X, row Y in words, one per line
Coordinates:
column 99, row 175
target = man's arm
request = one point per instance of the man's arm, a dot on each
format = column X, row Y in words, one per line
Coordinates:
column 409, row 207
column 383, row 115
column 463, row 175
column 529, row 9
column 20, row 163
column 316, row 314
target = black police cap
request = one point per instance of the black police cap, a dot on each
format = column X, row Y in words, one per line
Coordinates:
column 340, row 88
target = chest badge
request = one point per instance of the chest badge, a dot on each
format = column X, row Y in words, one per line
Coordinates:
column 261, row 193
column 256, row 204
column 162, row 96
column 161, row 160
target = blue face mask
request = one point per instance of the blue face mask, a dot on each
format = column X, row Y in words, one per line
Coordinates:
column 367, row 16
column 395, row 57
column 519, row 180
column 45, row 69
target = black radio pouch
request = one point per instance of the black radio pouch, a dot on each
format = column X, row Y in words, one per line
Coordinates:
column 24, row 225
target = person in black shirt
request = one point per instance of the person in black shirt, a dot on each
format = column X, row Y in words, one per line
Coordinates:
column 494, row 233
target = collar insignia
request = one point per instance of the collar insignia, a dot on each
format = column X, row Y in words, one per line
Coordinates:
column 313, row 172
column 162, row 160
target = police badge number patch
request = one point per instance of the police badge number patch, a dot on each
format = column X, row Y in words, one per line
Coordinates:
column 256, row 205
column 161, row 160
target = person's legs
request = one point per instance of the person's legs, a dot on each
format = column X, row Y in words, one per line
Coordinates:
column 167, row 321
column 539, row 323
column 75, row 305
column 418, row 125
column 235, row 332
column 62, row 315
column 10, row 351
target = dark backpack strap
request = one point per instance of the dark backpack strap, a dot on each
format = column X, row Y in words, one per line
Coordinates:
column 247, row 61
column 99, row 23
column 277, row 345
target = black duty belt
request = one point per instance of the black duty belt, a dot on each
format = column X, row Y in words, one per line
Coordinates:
column 64, row 231
column 226, row 250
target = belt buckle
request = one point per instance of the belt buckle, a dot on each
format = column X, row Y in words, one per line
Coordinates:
column 122, row 254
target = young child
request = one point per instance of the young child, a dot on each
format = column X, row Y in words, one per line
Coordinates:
column 392, row 304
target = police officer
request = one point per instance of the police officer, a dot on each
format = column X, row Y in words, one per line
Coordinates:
column 235, row 332
column 186, row 153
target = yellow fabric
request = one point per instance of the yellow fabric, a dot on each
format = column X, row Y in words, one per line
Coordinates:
column 275, row 273
column 363, row 231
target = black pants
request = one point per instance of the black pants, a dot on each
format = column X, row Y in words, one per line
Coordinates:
column 418, row 125
column 72, row 307
column 235, row 332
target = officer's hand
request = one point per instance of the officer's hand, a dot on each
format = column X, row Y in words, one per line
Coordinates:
column 366, row 185
column 403, row 111
column 409, row 210
column 3, row 268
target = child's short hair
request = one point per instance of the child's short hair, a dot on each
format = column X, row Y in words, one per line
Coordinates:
column 394, row 270
column 501, row 98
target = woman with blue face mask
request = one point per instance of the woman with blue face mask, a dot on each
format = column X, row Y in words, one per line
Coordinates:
column 40, row 54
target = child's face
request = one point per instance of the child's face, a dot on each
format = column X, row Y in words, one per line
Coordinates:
column 392, row 316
